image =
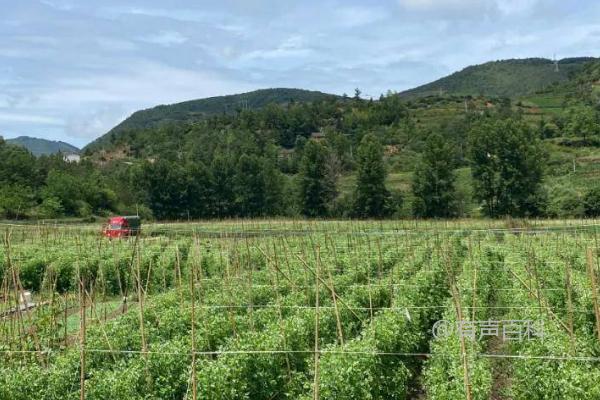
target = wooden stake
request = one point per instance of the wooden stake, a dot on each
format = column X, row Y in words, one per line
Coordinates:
column 316, row 377
column 280, row 314
column 592, row 275
column 334, row 296
column 81, row 334
column 459, row 316
column 193, row 318
column 140, row 293
column 570, row 305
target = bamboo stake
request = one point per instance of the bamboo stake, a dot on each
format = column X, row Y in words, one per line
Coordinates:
column 230, row 298
column 250, row 284
column 570, row 305
column 66, row 316
column 82, row 328
column 338, row 320
column 592, row 275
column 316, row 377
column 541, row 300
column 463, row 348
column 140, row 294
column 305, row 264
column 280, row 314
column 178, row 274
column 193, row 321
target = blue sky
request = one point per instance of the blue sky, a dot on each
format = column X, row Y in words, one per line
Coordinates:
column 72, row 69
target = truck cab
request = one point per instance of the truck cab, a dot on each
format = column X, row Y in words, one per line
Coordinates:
column 122, row 226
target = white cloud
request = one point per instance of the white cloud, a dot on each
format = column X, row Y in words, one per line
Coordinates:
column 165, row 38
column 29, row 118
column 290, row 51
column 515, row 6
column 75, row 68
column 359, row 16
column 425, row 5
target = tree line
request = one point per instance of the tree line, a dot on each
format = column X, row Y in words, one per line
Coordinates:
column 296, row 160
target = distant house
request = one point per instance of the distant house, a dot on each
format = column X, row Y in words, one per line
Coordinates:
column 72, row 158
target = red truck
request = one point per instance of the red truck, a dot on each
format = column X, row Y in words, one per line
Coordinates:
column 122, row 226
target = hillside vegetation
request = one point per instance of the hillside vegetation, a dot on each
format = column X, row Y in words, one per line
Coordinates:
column 193, row 110
column 445, row 155
column 506, row 78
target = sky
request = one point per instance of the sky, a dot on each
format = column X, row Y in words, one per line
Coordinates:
column 72, row 69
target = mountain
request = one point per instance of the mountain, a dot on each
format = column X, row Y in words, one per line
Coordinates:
column 198, row 109
column 505, row 78
column 539, row 86
column 42, row 146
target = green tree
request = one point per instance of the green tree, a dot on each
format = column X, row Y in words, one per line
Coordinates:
column 223, row 173
column 15, row 200
column 200, row 190
column 273, row 182
column 166, row 184
column 65, row 188
column 434, row 178
column 583, row 122
column 317, row 189
column 591, row 202
column 249, row 186
column 371, row 198
column 507, row 167
column 51, row 207
column 17, row 165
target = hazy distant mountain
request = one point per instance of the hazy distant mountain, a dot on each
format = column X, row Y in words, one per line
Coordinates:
column 506, row 78
column 42, row 146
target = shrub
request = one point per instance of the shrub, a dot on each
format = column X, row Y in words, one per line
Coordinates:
column 591, row 202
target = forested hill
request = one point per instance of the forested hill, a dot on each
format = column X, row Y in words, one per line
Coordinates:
column 335, row 157
column 40, row 147
column 506, row 78
column 198, row 109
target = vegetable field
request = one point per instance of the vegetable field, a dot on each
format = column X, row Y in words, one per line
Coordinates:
column 302, row 310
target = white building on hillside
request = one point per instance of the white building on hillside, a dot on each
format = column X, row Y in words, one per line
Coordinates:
column 72, row 158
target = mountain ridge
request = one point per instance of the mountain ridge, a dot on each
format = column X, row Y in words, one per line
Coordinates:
column 39, row 146
column 191, row 110
column 503, row 78
column 511, row 78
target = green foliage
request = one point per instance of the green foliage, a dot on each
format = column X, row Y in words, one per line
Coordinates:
column 78, row 193
column 564, row 201
column 433, row 183
column 508, row 166
column 591, row 202
column 32, row 274
column 15, row 200
column 316, row 181
column 371, row 197
column 51, row 207
column 508, row 78
column 583, row 122
column 203, row 108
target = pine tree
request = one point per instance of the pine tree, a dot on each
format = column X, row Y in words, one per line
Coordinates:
column 223, row 172
column 433, row 183
column 316, row 188
column 249, row 186
column 371, row 198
